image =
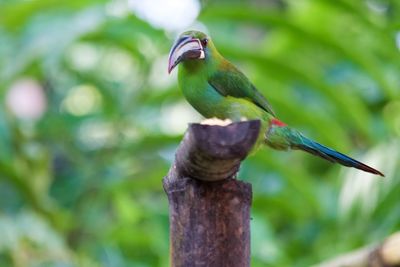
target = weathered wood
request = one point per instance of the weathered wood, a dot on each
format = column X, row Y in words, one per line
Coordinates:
column 213, row 152
column 385, row 254
column 209, row 209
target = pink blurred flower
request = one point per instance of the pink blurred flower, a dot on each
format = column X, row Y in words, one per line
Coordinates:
column 26, row 99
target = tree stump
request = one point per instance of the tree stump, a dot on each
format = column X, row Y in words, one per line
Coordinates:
column 209, row 208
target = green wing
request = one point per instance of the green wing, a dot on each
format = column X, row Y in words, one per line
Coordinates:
column 229, row 81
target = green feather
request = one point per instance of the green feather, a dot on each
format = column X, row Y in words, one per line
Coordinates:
column 229, row 81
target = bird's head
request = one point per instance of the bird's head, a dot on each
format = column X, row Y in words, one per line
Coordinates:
column 190, row 45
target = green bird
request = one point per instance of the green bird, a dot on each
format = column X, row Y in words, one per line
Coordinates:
column 216, row 88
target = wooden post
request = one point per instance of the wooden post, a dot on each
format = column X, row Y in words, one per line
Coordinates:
column 209, row 208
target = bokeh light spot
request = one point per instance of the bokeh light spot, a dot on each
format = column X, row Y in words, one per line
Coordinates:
column 175, row 117
column 82, row 100
column 26, row 99
column 172, row 15
column 83, row 56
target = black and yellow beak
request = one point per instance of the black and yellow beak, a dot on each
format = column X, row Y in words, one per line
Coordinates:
column 184, row 48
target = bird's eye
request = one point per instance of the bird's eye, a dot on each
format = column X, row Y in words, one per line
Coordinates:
column 204, row 42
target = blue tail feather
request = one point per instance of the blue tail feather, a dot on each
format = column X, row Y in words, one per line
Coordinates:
column 333, row 156
column 282, row 137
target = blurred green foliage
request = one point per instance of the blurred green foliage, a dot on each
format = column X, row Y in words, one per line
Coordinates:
column 80, row 184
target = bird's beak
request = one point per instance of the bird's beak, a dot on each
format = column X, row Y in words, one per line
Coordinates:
column 184, row 48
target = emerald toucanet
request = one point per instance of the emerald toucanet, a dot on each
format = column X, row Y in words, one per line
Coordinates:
column 216, row 88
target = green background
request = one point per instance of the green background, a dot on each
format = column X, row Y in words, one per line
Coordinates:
column 80, row 184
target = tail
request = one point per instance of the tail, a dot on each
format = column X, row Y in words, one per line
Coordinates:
column 280, row 136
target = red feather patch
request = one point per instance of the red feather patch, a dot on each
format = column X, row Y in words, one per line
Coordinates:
column 278, row 123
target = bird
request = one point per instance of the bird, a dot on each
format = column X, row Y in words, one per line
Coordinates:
column 218, row 89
